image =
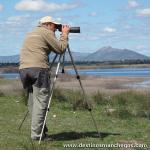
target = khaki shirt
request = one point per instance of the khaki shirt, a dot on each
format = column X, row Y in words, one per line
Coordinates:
column 37, row 46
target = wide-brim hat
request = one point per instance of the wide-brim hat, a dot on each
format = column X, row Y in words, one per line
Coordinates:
column 48, row 19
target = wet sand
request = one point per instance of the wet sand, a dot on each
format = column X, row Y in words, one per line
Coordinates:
column 104, row 84
column 91, row 84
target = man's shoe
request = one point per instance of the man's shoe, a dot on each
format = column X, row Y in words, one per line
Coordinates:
column 45, row 137
column 45, row 129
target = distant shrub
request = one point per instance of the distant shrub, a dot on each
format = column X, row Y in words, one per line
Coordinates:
column 1, row 94
column 59, row 95
column 121, row 105
column 99, row 98
column 24, row 97
column 74, row 99
column 77, row 100
column 125, row 104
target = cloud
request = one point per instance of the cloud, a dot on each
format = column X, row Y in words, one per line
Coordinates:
column 89, row 37
column 143, row 49
column 41, row 5
column 143, row 12
column 17, row 25
column 140, row 47
column 1, row 7
column 132, row 4
column 127, row 26
column 17, row 20
column 109, row 30
column 93, row 14
column 14, row 20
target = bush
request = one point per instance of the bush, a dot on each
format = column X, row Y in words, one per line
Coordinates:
column 122, row 105
column 72, row 98
column 125, row 104
column 24, row 97
column 99, row 98
column 59, row 95
column 1, row 94
column 77, row 100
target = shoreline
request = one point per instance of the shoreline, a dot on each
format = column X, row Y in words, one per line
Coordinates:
column 91, row 84
column 15, row 69
column 107, row 66
column 104, row 84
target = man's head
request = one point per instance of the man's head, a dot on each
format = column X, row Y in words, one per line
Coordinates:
column 49, row 23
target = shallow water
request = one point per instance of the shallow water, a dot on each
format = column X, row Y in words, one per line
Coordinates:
column 127, row 72
column 9, row 75
column 143, row 84
column 112, row 72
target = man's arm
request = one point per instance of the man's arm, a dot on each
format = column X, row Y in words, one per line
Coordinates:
column 58, row 46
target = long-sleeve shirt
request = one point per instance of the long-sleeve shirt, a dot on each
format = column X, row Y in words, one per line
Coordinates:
column 37, row 46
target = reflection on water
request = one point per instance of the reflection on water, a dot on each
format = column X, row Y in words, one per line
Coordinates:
column 143, row 84
column 9, row 75
column 112, row 72
column 120, row 72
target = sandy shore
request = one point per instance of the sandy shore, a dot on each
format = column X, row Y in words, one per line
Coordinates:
column 104, row 84
column 91, row 84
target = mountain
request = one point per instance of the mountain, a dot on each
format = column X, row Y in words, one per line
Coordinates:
column 9, row 59
column 103, row 54
column 77, row 56
column 112, row 54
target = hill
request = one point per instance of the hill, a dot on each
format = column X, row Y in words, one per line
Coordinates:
column 9, row 59
column 15, row 58
column 103, row 54
column 113, row 54
column 77, row 56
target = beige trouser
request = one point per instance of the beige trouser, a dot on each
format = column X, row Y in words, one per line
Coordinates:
column 37, row 83
column 37, row 105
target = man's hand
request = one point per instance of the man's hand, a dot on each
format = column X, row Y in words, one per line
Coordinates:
column 65, row 29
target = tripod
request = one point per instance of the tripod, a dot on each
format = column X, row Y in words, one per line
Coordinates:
column 52, row 90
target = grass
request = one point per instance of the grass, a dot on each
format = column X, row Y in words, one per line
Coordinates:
column 126, row 104
column 121, row 118
column 73, row 98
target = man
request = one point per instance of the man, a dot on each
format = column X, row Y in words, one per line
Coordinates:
column 34, row 69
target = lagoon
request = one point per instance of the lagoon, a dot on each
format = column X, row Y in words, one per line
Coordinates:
column 111, row 72
column 9, row 75
column 114, row 72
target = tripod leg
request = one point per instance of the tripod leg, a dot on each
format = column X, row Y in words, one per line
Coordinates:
column 23, row 120
column 50, row 98
column 53, row 61
column 29, row 91
column 84, row 95
column 63, row 64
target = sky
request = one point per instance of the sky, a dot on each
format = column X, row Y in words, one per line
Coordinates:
column 123, row 24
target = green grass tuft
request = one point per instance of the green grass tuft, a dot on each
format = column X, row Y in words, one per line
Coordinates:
column 125, row 105
column 1, row 94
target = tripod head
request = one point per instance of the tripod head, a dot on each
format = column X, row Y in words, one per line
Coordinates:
column 72, row 29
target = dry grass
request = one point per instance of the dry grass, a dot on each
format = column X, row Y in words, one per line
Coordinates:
column 92, row 84
column 10, row 87
column 8, row 69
